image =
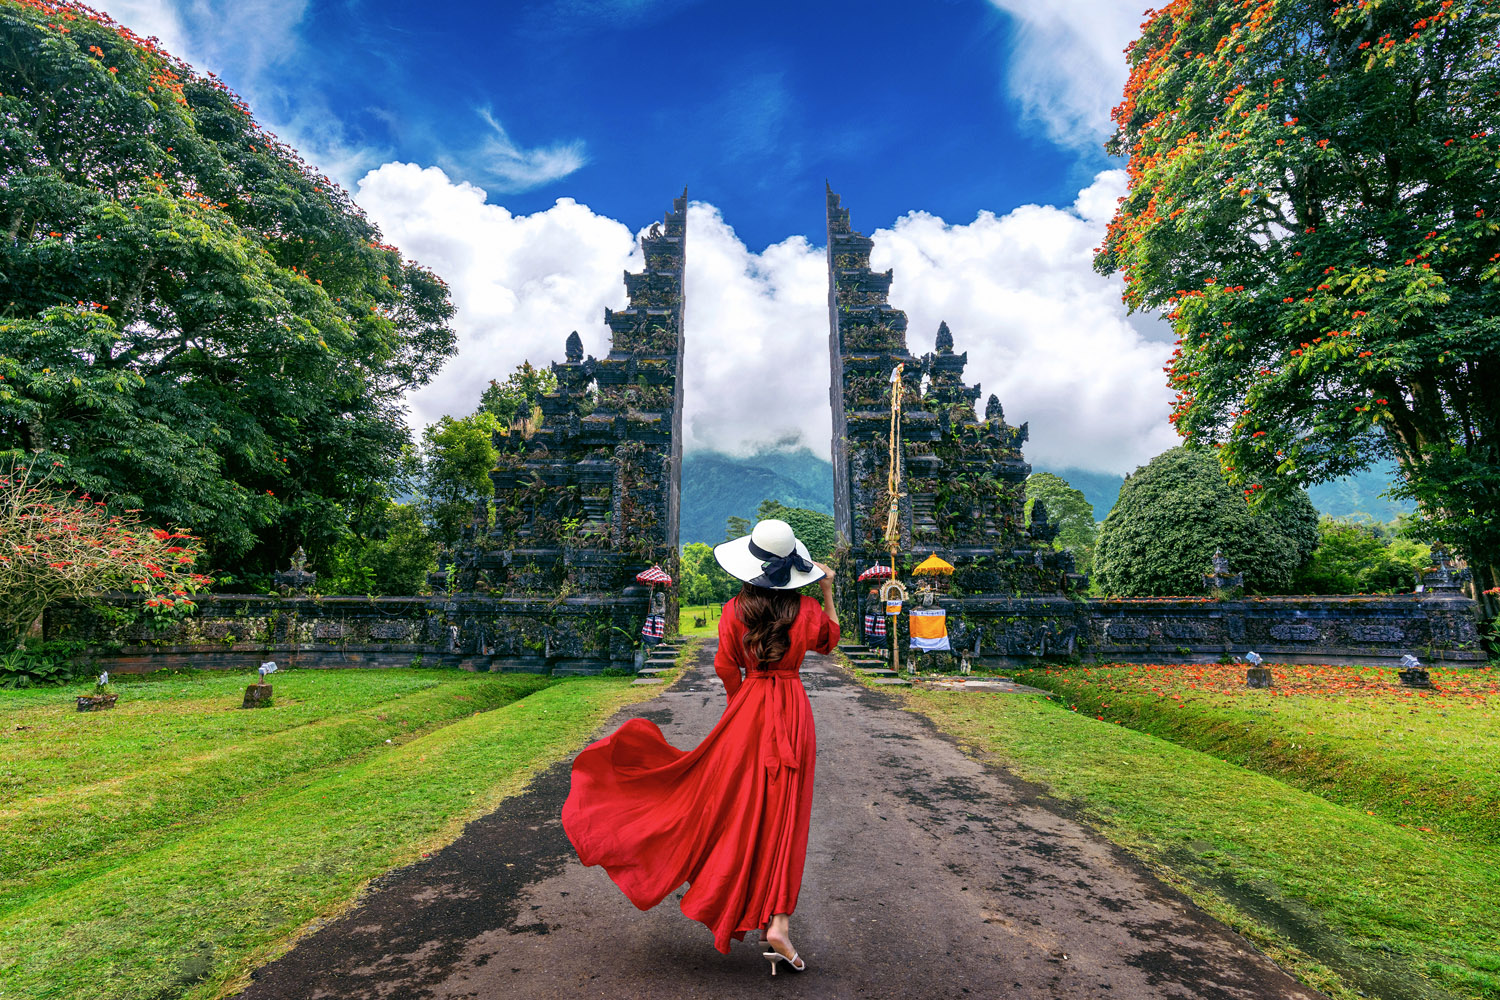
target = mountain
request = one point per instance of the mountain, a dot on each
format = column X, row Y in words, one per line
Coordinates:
column 715, row 486
column 1353, row 496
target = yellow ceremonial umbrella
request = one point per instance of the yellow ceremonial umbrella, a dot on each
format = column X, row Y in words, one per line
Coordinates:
column 932, row 565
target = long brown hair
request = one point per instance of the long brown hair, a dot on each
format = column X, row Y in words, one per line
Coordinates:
column 767, row 616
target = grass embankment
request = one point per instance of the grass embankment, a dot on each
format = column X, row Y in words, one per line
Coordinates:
column 1353, row 735
column 1348, row 898
column 181, row 907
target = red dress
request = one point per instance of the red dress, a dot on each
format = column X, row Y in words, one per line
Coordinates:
column 729, row 816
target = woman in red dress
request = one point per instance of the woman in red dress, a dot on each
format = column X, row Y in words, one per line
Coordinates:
column 730, row 817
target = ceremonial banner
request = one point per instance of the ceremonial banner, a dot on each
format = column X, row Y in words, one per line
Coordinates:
column 929, row 629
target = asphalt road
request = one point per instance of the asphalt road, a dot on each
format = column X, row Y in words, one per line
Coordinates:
column 928, row 875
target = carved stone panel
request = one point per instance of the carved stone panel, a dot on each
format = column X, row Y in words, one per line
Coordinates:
column 328, row 630
column 1294, row 633
column 390, row 630
column 1125, row 631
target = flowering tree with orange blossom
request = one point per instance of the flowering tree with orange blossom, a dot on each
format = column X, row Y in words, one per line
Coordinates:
column 193, row 321
column 61, row 545
column 1315, row 206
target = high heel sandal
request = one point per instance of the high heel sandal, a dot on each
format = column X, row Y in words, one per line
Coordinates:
column 776, row 958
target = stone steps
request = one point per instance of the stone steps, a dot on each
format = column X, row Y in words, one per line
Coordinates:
column 891, row 681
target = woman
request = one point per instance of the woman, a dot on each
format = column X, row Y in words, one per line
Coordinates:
column 730, row 816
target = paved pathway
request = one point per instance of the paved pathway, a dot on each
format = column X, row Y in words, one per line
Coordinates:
column 928, row 875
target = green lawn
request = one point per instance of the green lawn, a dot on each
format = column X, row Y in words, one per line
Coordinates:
column 169, row 846
column 1345, row 889
column 708, row 612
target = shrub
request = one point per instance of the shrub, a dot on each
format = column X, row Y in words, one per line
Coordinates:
column 1172, row 513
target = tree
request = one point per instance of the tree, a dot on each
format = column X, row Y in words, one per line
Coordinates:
column 1069, row 510
column 703, row 580
column 736, row 527
column 457, row 456
column 1361, row 558
column 812, row 527
column 1174, row 512
column 519, row 394
column 196, row 323
column 57, row 544
column 1314, row 192
column 394, row 559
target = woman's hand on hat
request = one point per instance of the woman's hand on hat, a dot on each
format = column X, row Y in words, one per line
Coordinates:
column 828, row 574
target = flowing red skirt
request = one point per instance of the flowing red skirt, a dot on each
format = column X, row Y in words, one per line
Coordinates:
column 729, row 817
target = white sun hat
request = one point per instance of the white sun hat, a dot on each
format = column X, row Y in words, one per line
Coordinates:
column 770, row 556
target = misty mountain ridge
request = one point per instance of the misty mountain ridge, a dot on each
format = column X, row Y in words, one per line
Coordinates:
column 716, row 486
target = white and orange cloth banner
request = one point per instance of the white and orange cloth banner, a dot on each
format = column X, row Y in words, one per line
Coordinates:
column 929, row 630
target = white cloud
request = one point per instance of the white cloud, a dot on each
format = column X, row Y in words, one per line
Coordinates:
column 757, row 340
column 1043, row 331
column 510, row 168
column 1066, row 65
column 521, row 283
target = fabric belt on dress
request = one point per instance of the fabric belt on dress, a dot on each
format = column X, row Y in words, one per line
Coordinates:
column 779, row 751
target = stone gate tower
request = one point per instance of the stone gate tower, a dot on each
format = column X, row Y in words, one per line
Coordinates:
column 588, row 496
column 964, row 478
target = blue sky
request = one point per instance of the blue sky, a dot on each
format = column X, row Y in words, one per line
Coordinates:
column 897, row 104
column 517, row 148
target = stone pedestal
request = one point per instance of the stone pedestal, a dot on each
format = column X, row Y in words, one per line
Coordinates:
column 257, row 696
column 1414, row 677
column 1259, row 677
column 96, row 702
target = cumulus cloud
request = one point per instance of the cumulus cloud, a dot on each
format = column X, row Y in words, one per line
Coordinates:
column 757, row 341
column 520, row 283
column 1066, row 65
column 1043, row 331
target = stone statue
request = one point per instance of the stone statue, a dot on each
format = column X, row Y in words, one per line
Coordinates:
column 993, row 409
column 573, row 349
column 298, row 579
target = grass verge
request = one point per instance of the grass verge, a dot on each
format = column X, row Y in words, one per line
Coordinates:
column 690, row 612
column 1352, row 903
column 187, row 917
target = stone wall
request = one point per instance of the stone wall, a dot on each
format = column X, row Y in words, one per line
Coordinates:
column 1357, row 629
column 584, row 634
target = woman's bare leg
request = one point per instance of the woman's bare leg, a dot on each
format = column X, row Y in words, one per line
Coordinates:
column 778, row 935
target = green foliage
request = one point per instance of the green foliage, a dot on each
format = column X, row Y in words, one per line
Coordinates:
column 1361, row 558
column 1315, row 204
column 457, row 456
column 736, row 527
column 394, row 559
column 519, row 394
column 196, row 323
column 812, row 527
column 1172, row 513
column 703, row 580
column 1069, row 510
column 37, row 664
